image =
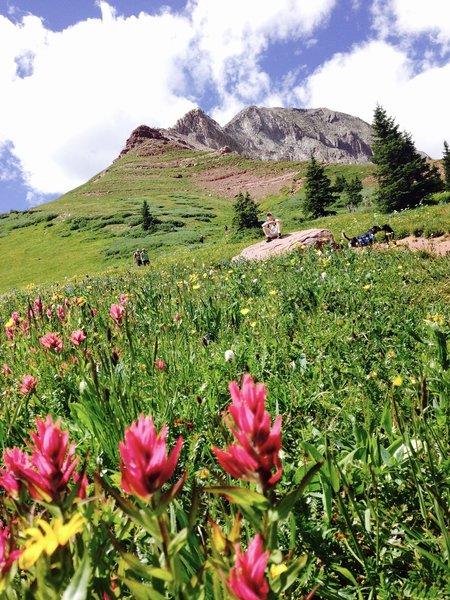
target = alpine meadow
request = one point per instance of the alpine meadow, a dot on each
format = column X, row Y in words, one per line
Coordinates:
column 208, row 427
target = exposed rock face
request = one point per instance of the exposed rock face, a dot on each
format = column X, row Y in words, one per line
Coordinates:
column 297, row 240
column 296, row 134
column 270, row 134
column 201, row 131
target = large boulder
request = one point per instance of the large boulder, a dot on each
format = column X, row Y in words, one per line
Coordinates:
column 298, row 240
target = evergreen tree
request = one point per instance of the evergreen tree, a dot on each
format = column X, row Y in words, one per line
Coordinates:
column 245, row 212
column 405, row 179
column 353, row 189
column 446, row 165
column 318, row 190
column 340, row 184
column 148, row 221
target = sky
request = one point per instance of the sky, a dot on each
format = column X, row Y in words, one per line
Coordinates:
column 77, row 76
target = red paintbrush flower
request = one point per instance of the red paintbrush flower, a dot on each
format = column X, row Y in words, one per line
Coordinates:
column 146, row 466
column 256, row 454
column 247, row 580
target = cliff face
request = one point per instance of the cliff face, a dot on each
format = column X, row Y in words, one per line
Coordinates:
column 296, row 134
column 270, row 134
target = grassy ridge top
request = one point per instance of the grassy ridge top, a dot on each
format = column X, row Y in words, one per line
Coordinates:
column 97, row 226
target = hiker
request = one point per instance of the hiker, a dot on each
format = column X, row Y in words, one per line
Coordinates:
column 137, row 257
column 144, row 257
column 272, row 227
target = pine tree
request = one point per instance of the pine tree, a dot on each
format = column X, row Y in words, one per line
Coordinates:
column 405, row 179
column 340, row 184
column 446, row 165
column 245, row 212
column 353, row 189
column 318, row 190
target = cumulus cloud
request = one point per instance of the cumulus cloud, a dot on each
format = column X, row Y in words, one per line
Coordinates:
column 71, row 98
column 380, row 73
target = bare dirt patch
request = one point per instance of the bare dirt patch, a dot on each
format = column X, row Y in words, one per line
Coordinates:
column 229, row 183
column 439, row 245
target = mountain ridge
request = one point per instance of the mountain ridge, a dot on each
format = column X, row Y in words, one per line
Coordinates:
column 269, row 134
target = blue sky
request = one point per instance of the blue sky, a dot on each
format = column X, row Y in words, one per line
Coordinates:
column 77, row 76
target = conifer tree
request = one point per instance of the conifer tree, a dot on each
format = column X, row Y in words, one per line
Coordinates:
column 319, row 192
column 148, row 221
column 405, row 179
column 245, row 212
column 446, row 165
column 353, row 189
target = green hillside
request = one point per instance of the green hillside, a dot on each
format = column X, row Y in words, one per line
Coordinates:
column 97, row 226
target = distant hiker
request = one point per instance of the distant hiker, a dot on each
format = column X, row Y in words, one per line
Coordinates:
column 137, row 257
column 272, row 227
column 202, row 239
column 144, row 257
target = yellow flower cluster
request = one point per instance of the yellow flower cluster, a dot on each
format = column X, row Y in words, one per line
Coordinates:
column 47, row 538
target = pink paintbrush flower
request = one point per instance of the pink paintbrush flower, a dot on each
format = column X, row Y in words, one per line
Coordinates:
column 6, row 370
column 117, row 312
column 7, row 556
column 256, row 454
column 60, row 312
column 27, row 385
column 47, row 472
column 160, row 364
column 53, row 460
column 51, row 341
column 77, row 337
column 16, row 463
column 247, row 580
column 146, row 466
column 38, row 308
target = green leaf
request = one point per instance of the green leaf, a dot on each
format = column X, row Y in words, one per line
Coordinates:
column 240, row 495
column 78, row 586
column 287, row 578
column 285, row 505
column 178, row 542
column 346, row 573
column 141, row 591
column 145, row 570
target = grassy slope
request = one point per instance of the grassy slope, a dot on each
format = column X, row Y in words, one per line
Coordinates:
column 94, row 228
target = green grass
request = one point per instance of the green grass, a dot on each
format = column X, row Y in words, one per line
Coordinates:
column 353, row 349
column 96, row 227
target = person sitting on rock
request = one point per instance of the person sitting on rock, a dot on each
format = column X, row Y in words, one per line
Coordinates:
column 272, row 227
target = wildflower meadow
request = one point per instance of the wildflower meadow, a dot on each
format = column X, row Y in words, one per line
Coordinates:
column 237, row 430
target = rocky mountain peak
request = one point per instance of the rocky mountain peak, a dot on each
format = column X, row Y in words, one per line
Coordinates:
column 271, row 134
column 201, row 130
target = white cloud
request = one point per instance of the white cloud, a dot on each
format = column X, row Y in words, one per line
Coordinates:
column 71, row 98
column 378, row 73
column 417, row 16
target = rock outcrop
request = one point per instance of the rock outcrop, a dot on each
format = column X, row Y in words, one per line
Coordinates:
column 298, row 240
column 270, row 134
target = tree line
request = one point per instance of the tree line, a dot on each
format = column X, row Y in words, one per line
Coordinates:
column 405, row 178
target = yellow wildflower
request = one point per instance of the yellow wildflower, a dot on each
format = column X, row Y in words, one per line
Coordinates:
column 244, row 311
column 276, row 570
column 196, row 287
column 273, row 292
column 47, row 538
column 397, row 381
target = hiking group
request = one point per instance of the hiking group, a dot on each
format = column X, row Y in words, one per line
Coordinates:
column 141, row 257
